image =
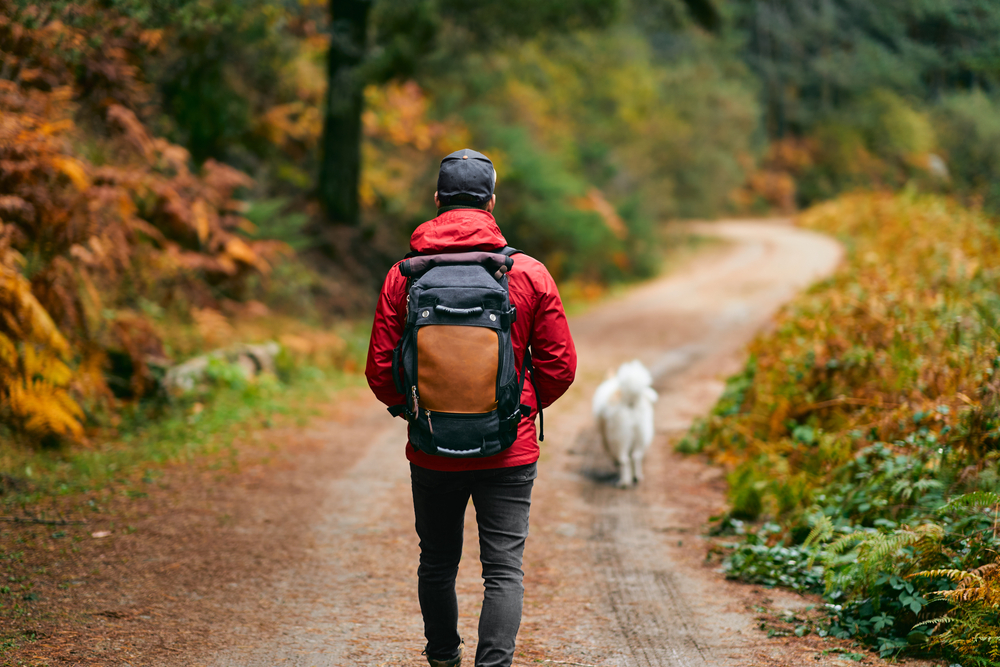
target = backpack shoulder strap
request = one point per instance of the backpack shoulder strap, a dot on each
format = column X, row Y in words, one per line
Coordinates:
column 507, row 251
column 526, row 367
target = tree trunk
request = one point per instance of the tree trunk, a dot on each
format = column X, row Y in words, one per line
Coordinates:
column 340, row 168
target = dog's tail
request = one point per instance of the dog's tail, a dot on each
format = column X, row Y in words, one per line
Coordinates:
column 604, row 396
column 635, row 381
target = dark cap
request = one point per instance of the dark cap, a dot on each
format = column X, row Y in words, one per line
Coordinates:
column 466, row 176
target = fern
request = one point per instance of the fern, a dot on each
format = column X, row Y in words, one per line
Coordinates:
column 846, row 542
column 942, row 620
column 821, row 532
column 972, row 624
column 95, row 235
column 974, row 499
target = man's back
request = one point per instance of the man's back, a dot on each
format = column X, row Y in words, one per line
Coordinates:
column 541, row 323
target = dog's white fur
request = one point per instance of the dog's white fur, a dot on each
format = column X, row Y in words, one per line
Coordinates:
column 623, row 408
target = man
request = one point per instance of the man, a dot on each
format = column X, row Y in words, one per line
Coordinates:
column 499, row 485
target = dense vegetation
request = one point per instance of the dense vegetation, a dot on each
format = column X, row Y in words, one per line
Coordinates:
column 862, row 94
column 94, row 234
column 864, row 430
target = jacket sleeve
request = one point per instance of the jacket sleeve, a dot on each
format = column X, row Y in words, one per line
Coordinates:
column 387, row 329
column 553, row 354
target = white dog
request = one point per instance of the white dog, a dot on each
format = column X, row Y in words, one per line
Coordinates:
column 623, row 407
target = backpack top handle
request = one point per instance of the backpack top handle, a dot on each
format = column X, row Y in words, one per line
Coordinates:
column 493, row 262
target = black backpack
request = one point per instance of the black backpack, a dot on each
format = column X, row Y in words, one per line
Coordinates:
column 455, row 360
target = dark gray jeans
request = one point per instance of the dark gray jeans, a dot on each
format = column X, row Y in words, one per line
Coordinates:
column 502, row 497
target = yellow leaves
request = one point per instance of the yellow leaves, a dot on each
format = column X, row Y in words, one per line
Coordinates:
column 397, row 113
column 967, row 627
column 293, row 121
column 895, row 345
column 151, row 39
column 36, row 363
column 43, row 409
column 75, row 170
column 399, row 139
column 33, row 393
column 596, row 202
column 241, row 252
column 199, row 210
column 23, row 315
column 33, row 375
column 213, row 327
column 56, row 128
column 8, row 352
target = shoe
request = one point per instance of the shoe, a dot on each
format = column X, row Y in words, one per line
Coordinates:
column 454, row 662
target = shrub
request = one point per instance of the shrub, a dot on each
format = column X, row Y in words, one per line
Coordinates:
column 96, row 228
column 969, row 130
column 871, row 405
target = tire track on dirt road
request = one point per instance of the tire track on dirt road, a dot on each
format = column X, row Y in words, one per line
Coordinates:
column 613, row 578
column 689, row 329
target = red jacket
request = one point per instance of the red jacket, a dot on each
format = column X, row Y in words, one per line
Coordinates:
column 541, row 323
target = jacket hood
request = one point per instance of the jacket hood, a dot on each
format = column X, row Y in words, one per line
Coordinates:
column 458, row 230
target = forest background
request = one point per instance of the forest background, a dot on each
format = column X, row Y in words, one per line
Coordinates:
column 165, row 190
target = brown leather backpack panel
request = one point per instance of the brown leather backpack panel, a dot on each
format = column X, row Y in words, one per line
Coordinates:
column 457, row 368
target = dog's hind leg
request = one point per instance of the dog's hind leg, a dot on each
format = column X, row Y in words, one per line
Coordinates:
column 624, row 471
column 642, row 436
column 637, row 455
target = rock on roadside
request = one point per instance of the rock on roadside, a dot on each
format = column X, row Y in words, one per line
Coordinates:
column 252, row 359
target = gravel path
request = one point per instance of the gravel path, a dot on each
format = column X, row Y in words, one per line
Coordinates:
column 612, row 577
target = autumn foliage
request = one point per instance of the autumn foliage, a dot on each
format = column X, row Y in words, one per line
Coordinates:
column 866, row 427
column 907, row 327
column 96, row 223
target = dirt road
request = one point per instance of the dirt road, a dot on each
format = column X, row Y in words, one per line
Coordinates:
column 612, row 577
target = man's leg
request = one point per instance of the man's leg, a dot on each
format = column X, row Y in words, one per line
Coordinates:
column 503, row 500
column 439, row 502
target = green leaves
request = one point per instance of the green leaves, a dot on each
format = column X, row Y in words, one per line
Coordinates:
column 756, row 562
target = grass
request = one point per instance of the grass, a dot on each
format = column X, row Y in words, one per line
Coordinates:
column 315, row 363
column 183, row 431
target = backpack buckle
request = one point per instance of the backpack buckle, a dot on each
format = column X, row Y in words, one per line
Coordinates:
column 401, row 410
column 508, row 318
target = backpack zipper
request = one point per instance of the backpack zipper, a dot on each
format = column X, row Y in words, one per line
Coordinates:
column 430, row 424
column 416, row 401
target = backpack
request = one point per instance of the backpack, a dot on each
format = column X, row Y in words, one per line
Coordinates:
column 455, row 360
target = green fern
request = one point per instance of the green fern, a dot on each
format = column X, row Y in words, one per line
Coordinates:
column 845, row 543
column 936, row 622
column 974, row 499
column 821, row 532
